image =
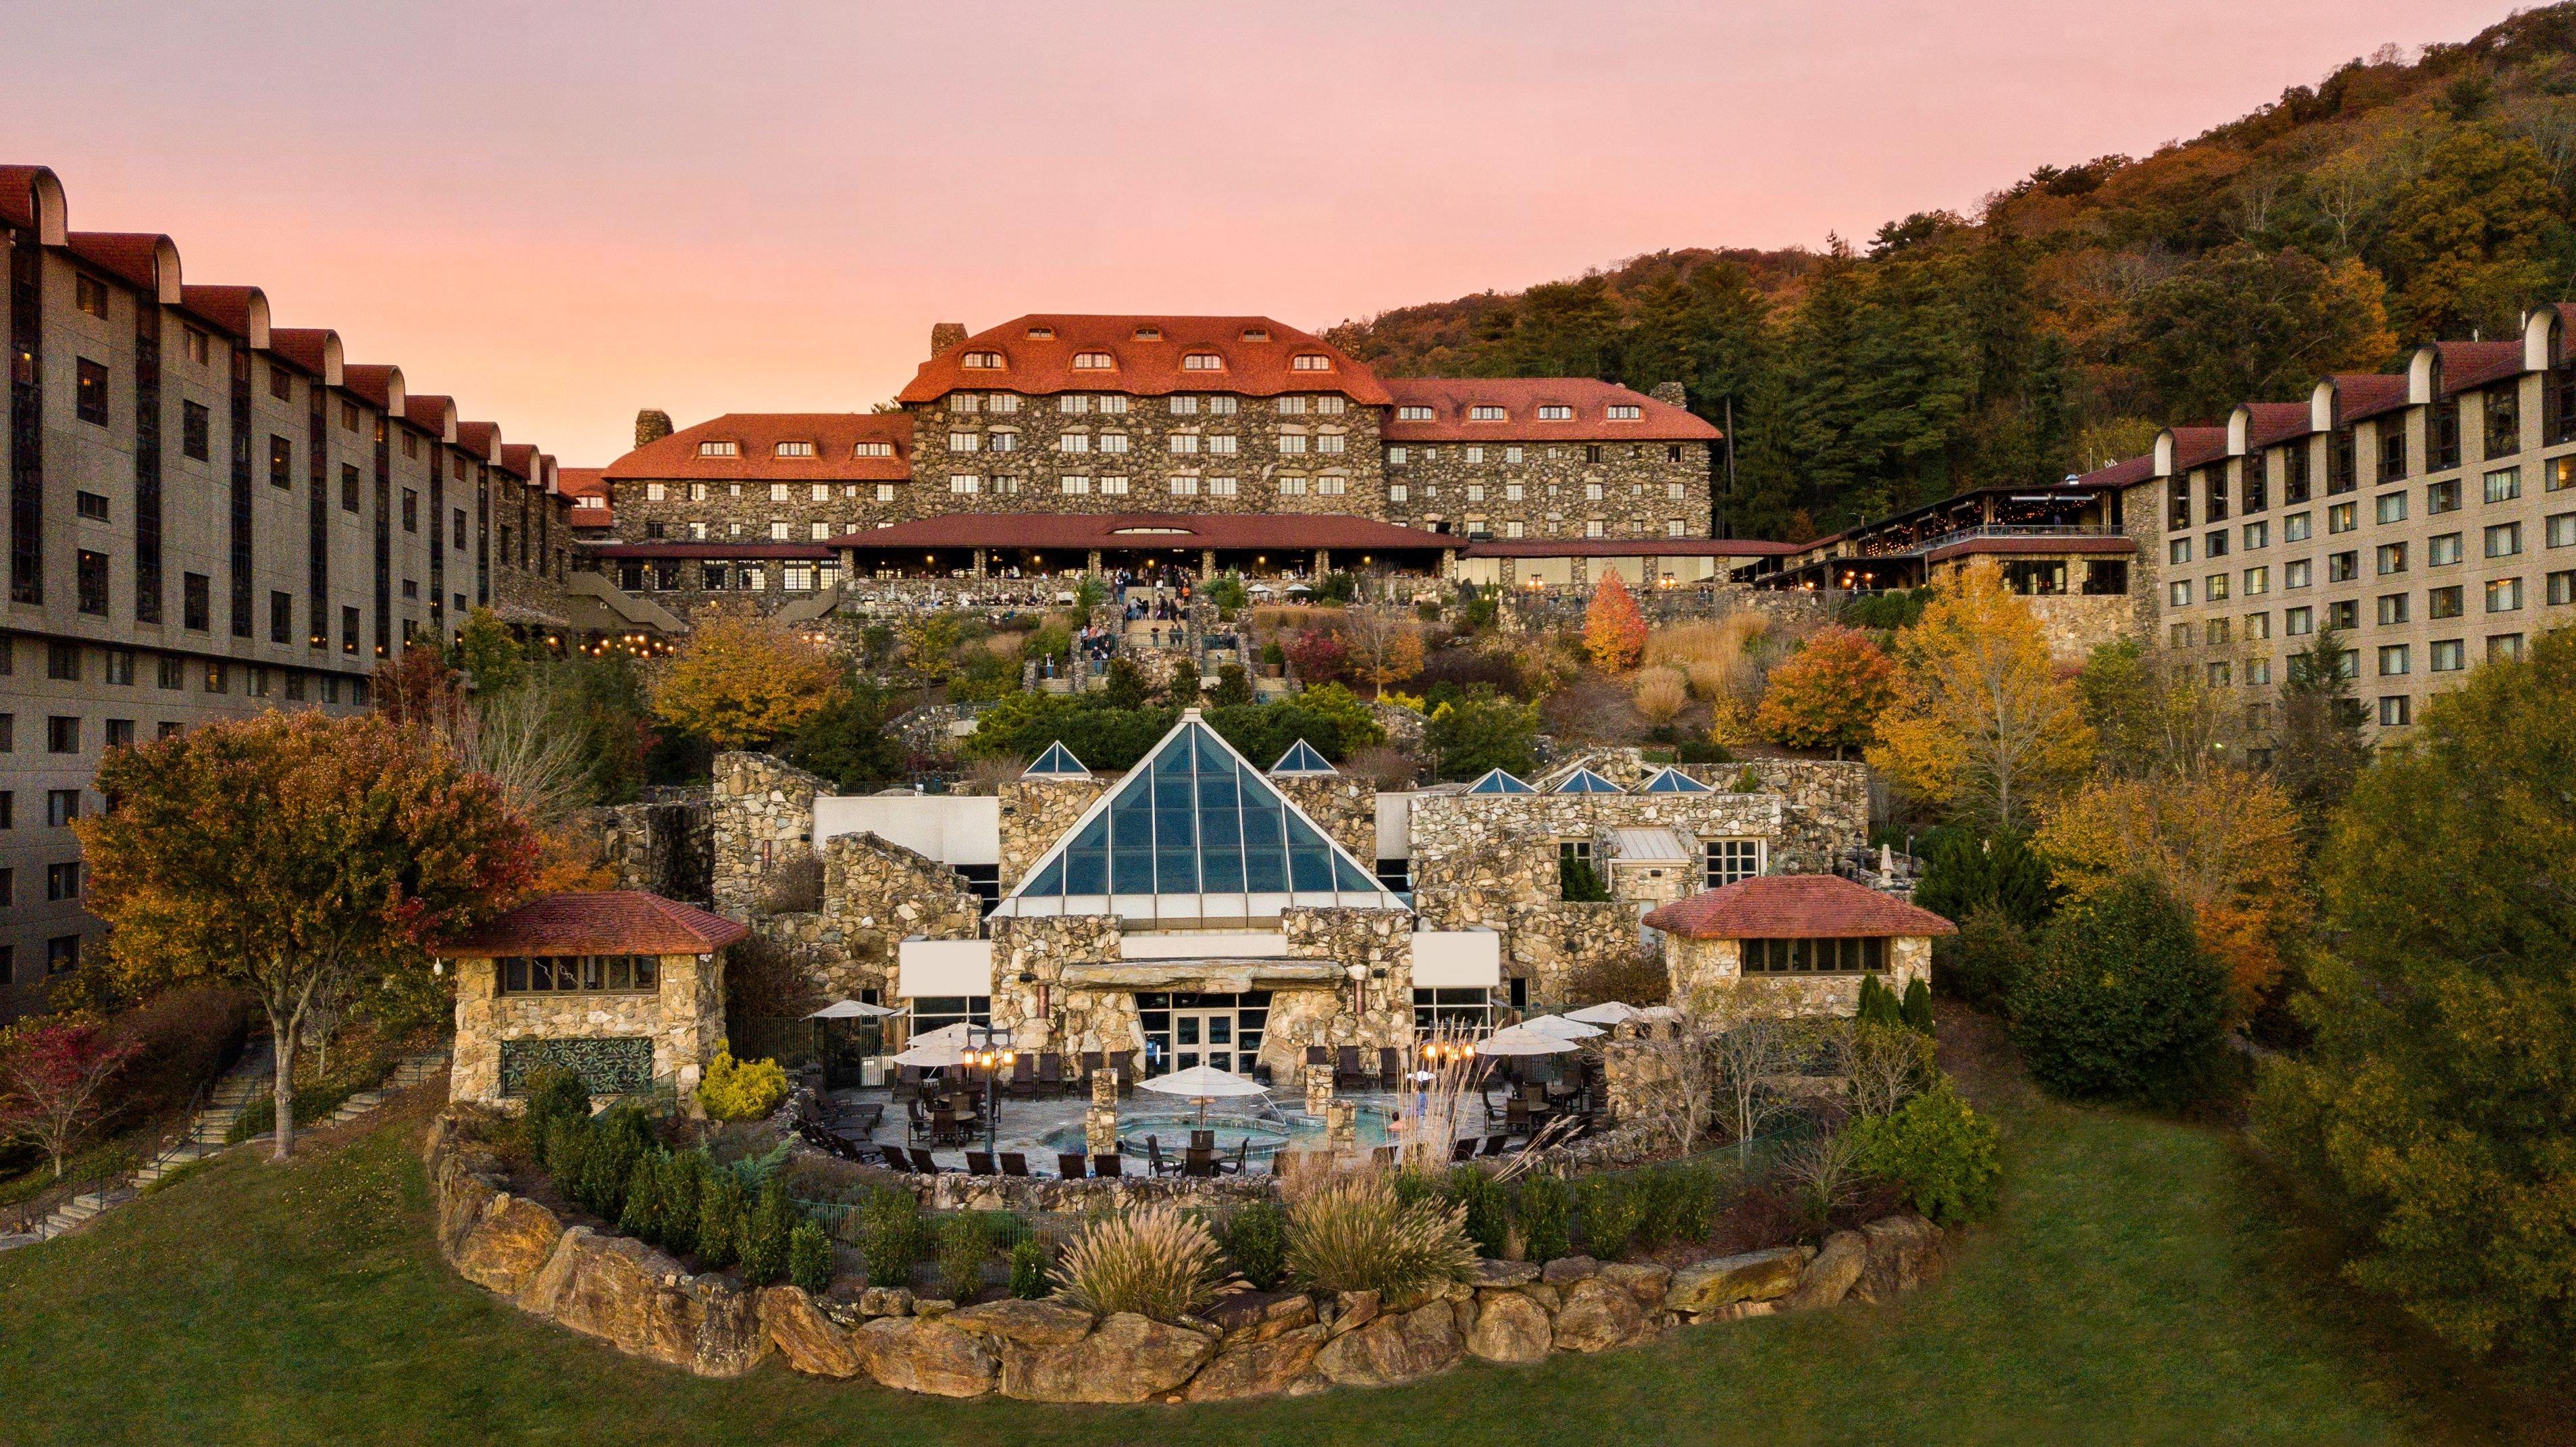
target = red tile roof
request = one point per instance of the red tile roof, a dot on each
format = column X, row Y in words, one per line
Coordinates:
column 429, row 413
column 2475, row 364
column 581, row 483
column 1796, row 906
column 483, row 439
column 519, row 459
column 1287, row 532
column 2270, row 423
column 1631, row 548
column 2367, row 394
column 372, row 381
column 1144, row 366
column 131, row 257
column 2196, row 445
column 305, row 347
column 17, row 195
column 598, row 922
column 756, row 435
column 1450, row 401
column 225, row 307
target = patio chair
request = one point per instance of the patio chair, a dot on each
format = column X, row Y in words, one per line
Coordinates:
column 1516, row 1116
column 1106, row 1167
column 1202, row 1139
column 1014, row 1163
column 907, row 1082
column 922, row 1164
column 1319, row 1055
column 1242, row 1155
column 1092, row 1064
column 1494, row 1144
column 1130, row 1066
column 895, row 1160
column 1071, row 1165
column 1154, row 1157
column 944, row 1130
column 1024, row 1078
column 917, row 1119
column 1198, row 1163
column 862, row 1118
column 1463, row 1148
column 1348, row 1073
column 1051, row 1074
column 1390, row 1069
column 980, row 1163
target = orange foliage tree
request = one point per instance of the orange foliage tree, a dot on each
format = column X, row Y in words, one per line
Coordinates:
column 742, row 681
column 287, row 853
column 1828, row 694
column 1384, row 645
column 1614, row 632
column 2224, row 843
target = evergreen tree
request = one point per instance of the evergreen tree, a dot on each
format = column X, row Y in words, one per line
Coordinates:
column 2319, row 751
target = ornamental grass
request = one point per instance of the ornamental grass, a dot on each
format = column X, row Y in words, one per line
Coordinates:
column 1356, row 1234
column 1154, row 1261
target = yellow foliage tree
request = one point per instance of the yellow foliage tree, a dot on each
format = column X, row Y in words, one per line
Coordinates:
column 740, row 681
column 1384, row 645
column 1614, row 631
column 1982, row 723
column 2224, row 843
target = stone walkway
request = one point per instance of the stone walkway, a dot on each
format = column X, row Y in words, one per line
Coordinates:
column 205, row 1136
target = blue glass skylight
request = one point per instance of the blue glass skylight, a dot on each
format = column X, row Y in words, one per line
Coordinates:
column 1057, row 762
column 1497, row 782
column 1302, row 758
column 1584, row 781
column 1674, row 781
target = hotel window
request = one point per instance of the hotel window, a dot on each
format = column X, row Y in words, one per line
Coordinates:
column 1676, row 528
column 1182, row 444
column 1485, row 413
column 1073, row 404
column 2441, row 550
column 2562, row 589
column 697, row 492
column 89, row 393
column 2394, row 711
column 1073, row 442
column 1592, row 528
column 2446, row 655
column 872, row 449
column 2504, row 484
column 964, row 484
column 2343, row 567
column 1185, row 487
column 822, row 531
column 1398, row 492
column 1553, row 412
column 1330, row 442
column 2214, row 484
column 1183, row 406
column 965, row 441
column 1224, row 444
column 1332, row 486
column 2392, row 452
column 578, row 974
column 2339, row 463
column 1294, row 406
column 1625, row 412
column 2178, row 551
column 2504, row 540
column 1075, row 486
column 960, row 402
column 2559, row 529
column 822, row 492
column 2504, row 420
column 2295, row 528
column 2447, row 602
column 2217, row 544
column 1724, row 861
column 2258, row 581
column 2214, row 633
column 885, row 492
column 2504, row 595
column 89, row 295
column 2294, row 473
column 2343, row 517
column 281, row 617
column 1513, row 492
column 2390, row 508
column 719, row 449
column 2441, row 497
column 1673, row 491
column 652, row 492
column 1113, row 405
column 1511, row 454
column 2214, row 588
column 1226, row 487
column 2503, row 646
column 2299, row 622
column 1001, row 441
column 2561, row 475
column 2442, row 436
column 2258, row 626
column 411, row 510
column 90, row 582
column 2344, row 614
column 1515, row 528
column 1292, row 442
column 1397, row 456
column 1224, row 405
column 1310, row 362
column 981, row 361
column 1292, row 487
column 1412, row 414
column 777, row 532
column 2392, row 609
column 1190, row 361
column 1592, row 492
column 2258, row 535
column 778, row 492
column 795, row 449
column 1113, row 487
column 2178, row 593
column 2178, row 635
column 2391, row 558
column 1814, row 957
column 194, row 425
column 195, row 601
column 2221, row 675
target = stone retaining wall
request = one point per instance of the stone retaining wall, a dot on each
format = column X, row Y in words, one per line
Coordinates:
column 646, row 1303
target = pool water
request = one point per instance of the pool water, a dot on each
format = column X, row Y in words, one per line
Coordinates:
column 1259, row 1136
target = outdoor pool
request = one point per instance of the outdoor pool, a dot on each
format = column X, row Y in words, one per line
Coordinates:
column 1258, row 1135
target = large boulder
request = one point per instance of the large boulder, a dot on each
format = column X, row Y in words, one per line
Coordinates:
column 1567, row 1270
column 465, row 1183
column 1829, row 1277
column 639, row 1300
column 1489, row 1273
column 1600, row 1314
column 1510, row 1327
column 1029, row 1323
column 808, row 1339
column 1261, row 1315
column 510, row 1244
column 1645, row 1281
column 1394, row 1349
column 1724, row 1280
column 1127, row 1359
column 910, row 1354
column 1904, row 1252
column 1257, row 1366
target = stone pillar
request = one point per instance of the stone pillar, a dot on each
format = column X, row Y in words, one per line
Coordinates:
column 1449, row 565
column 1207, row 565
column 1319, row 1089
column 1341, row 1126
column 1323, row 563
column 1100, row 1120
column 1093, row 566
column 979, row 564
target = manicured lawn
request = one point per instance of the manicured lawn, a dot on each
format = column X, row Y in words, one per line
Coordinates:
column 2130, row 1293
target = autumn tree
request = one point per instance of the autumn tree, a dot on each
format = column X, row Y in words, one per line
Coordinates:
column 1828, row 694
column 743, row 681
column 1981, row 724
column 1384, row 645
column 2477, row 233
column 488, row 654
column 1614, row 631
column 2148, row 722
column 2318, row 750
column 54, row 1076
column 2223, row 843
column 2245, row 322
column 280, row 853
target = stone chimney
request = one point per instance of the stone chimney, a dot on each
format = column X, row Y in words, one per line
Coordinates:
column 651, row 425
column 944, row 335
column 1672, row 392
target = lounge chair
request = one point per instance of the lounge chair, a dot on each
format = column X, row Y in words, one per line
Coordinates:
column 1242, row 1154
column 895, row 1159
column 980, row 1163
column 922, row 1164
column 1494, row 1144
column 1023, row 1084
column 1071, row 1165
column 1463, row 1149
column 1106, row 1167
column 1390, row 1069
column 1348, row 1073
column 1014, row 1163
column 1051, row 1074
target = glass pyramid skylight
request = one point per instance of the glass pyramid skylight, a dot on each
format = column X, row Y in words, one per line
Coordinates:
column 1302, row 758
column 1584, row 781
column 1057, row 762
column 1674, row 781
column 1194, row 836
column 1496, row 781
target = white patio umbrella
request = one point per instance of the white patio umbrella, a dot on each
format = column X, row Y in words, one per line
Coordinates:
column 1608, row 1012
column 1522, row 1040
column 948, row 1044
column 1562, row 1027
column 1204, row 1083
column 850, row 1010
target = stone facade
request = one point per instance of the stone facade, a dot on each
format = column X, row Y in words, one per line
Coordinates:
column 875, row 896
column 664, row 848
column 1708, row 979
column 2077, row 623
column 1552, row 489
column 1036, row 813
column 683, row 1017
column 762, row 816
column 1346, row 808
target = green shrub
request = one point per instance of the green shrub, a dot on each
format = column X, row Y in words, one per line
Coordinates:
column 567, row 1152
column 1544, row 1207
column 1155, row 1261
column 963, row 1249
column 618, row 1139
column 1917, row 1010
column 684, row 1177
column 1256, row 1240
column 1029, row 1269
column 1940, row 1152
column 1963, row 869
column 890, row 1236
column 809, row 1258
column 1610, row 1213
column 641, row 1216
column 746, row 1090
column 2123, row 1003
column 1674, row 1203
column 1413, row 1187
column 766, row 1237
column 1986, row 961
column 1487, row 1207
column 1879, row 1004
column 724, row 1218
column 554, row 1094
column 1356, row 1235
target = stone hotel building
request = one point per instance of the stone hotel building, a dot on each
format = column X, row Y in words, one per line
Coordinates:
column 208, row 516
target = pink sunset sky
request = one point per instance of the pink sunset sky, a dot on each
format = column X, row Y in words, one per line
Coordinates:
column 560, row 213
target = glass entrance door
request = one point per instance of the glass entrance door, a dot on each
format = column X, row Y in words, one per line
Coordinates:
column 1203, row 1037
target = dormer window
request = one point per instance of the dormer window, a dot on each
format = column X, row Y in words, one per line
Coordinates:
column 1202, row 362
column 1485, row 413
column 1555, row 412
column 1256, row 334
column 1041, row 334
column 982, row 361
column 1091, row 361
column 1149, row 334
column 1412, row 414
column 795, row 449
column 720, row 449
column 1310, row 362
column 873, row 449
column 1625, row 412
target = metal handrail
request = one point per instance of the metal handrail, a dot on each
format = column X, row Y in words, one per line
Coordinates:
column 1998, row 530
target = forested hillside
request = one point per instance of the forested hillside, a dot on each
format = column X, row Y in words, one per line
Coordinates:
column 2396, row 201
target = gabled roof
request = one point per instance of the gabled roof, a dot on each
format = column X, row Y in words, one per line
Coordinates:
column 1302, row 759
column 755, row 437
column 1584, row 781
column 1669, row 780
column 597, row 922
column 2268, row 424
column 1496, row 781
column 2194, row 446
column 2124, row 473
column 1193, row 835
column 2475, row 364
column 1796, row 906
column 1453, row 400
column 2366, row 394
column 1057, row 762
column 1038, row 352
